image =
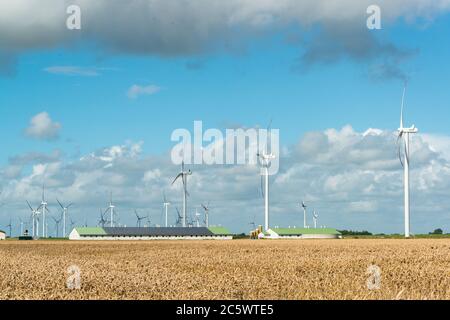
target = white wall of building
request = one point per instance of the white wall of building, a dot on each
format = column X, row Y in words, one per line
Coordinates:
column 2, row 236
column 74, row 235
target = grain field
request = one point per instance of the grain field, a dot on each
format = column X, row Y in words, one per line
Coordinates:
column 238, row 269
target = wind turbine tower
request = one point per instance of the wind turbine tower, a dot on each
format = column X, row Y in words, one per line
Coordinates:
column 166, row 205
column 266, row 159
column 183, row 175
column 404, row 137
column 197, row 218
column 44, row 211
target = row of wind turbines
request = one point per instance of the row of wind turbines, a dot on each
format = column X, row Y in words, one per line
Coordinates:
column 41, row 212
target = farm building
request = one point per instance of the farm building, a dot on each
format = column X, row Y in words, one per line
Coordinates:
column 302, row 233
column 2, row 235
column 154, row 233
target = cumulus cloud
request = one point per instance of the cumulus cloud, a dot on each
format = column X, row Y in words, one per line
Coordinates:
column 353, row 179
column 329, row 30
column 136, row 90
column 42, row 127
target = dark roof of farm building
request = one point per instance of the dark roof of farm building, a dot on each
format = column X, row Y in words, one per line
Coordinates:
column 153, row 231
column 301, row 231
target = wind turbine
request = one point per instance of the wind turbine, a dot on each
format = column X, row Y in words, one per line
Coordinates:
column 21, row 226
column 304, row 214
column 138, row 218
column 206, row 208
column 315, row 216
column 44, row 211
column 183, row 175
column 197, row 218
column 64, row 215
column 149, row 222
column 265, row 160
column 111, row 209
column 10, row 228
column 35, row 220
column 403, row 137
column 102, row 220
column 57, row 222
column 166, row 205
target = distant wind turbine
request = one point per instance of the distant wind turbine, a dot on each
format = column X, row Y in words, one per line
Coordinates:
column 304, row 214
column 64, row 215
column 315, row 216
column 183, row 175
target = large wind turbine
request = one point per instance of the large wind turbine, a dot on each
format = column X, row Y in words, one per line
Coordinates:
column 265, row 160
column 183, row 175
column 403, row 135
column 64, row 215
column 44, row 211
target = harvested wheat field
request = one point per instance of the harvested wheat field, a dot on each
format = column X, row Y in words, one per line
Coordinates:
column 239, row 269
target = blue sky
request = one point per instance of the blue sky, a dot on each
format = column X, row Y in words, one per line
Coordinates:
column 261, row 77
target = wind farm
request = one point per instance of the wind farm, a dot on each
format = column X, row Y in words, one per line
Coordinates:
column 196, row 225
column 245, row 150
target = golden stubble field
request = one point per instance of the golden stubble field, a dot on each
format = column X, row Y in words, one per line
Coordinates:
column 238, row 269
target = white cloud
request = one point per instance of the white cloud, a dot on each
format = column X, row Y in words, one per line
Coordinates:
column 136, row 90
column 43, row 127
column 73, row 71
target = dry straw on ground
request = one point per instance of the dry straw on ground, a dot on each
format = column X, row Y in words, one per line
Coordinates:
column 240, row 269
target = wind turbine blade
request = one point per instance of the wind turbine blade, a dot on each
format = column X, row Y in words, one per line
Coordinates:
column 403, row 103
column 176, row 178
column 60, row 204
column 29, row 205
column 399, row 147
column 71, row 204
